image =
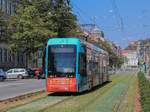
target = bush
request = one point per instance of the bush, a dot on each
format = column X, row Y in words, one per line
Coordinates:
column 144, row 85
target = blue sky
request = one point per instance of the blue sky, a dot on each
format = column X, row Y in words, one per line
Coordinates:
column 122, row 21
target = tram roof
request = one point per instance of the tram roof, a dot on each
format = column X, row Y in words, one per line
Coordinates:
column 55, row 41
column 73, row 40
column 92, row 46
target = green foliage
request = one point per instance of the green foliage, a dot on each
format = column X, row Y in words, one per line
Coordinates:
column 2, row 22
column 4, row 25
column 114, row 60
column 63, row 18
column 28, row 27
column 144, row 85
column 37, row 20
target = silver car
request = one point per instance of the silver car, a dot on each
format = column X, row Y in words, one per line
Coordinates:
column 19, row 73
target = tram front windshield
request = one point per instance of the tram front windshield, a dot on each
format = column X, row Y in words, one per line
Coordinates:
column 61, row 60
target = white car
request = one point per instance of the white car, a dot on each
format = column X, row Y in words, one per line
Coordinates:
column 19, row 73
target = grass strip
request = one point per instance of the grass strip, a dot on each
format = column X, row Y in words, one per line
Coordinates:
column 101, row 100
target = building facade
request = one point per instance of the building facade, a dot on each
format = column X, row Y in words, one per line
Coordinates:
column 92, row 32
column 8, row 59
column 130, row 58
column 7, row 6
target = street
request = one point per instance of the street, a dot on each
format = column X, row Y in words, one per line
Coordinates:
column 13, row 88
column 117, row 95
column 74, row 56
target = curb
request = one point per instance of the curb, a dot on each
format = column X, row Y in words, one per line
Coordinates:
column 21, row 97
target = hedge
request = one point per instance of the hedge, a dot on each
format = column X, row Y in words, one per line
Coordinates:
column 144, row 85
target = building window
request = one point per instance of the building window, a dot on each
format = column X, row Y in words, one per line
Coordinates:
column 0, row 32
column 5, row 55
column 1, row 54
column 9, row 56
column 6, row 6
column 18, row 57
column 12, row 9
column 1, row 4
column 13, row 57
column 21, row 58
column 10, row 5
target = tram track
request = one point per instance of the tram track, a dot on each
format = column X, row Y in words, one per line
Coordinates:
column 68, row 102
column 60, row 99
column 121, row 104
column 20, row 100
column 106, row 91
column 41, row 103
column 87, row 99
column 127, row 101
column 99, row 95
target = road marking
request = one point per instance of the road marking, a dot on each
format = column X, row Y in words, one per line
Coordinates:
column 1, row 86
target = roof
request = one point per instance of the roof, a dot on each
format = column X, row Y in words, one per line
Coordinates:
column 71, row 40
column 126, row 52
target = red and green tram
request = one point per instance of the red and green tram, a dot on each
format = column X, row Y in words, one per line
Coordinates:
column 74, row 65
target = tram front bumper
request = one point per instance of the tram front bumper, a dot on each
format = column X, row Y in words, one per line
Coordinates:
column 61, row 85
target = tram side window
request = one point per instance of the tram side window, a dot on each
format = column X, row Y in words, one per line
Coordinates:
column 82, row 63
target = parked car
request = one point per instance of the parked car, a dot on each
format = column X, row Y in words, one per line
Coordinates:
column 37, row 72
column 2, row 75
column 19, row 73
column 31, row 73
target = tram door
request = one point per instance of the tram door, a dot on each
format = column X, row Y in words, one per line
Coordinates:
column 82, row 68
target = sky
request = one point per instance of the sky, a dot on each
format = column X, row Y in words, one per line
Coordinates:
column 122, row 21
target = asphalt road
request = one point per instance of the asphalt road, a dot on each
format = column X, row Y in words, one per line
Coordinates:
column 13, row 88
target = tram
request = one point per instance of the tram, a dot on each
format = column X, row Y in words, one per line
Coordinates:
column 74, row 65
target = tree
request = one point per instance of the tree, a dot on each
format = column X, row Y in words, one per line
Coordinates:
column 3, row 26
column 29, row 29
column 114, row 60
column 36, row 20
column 64, row 19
